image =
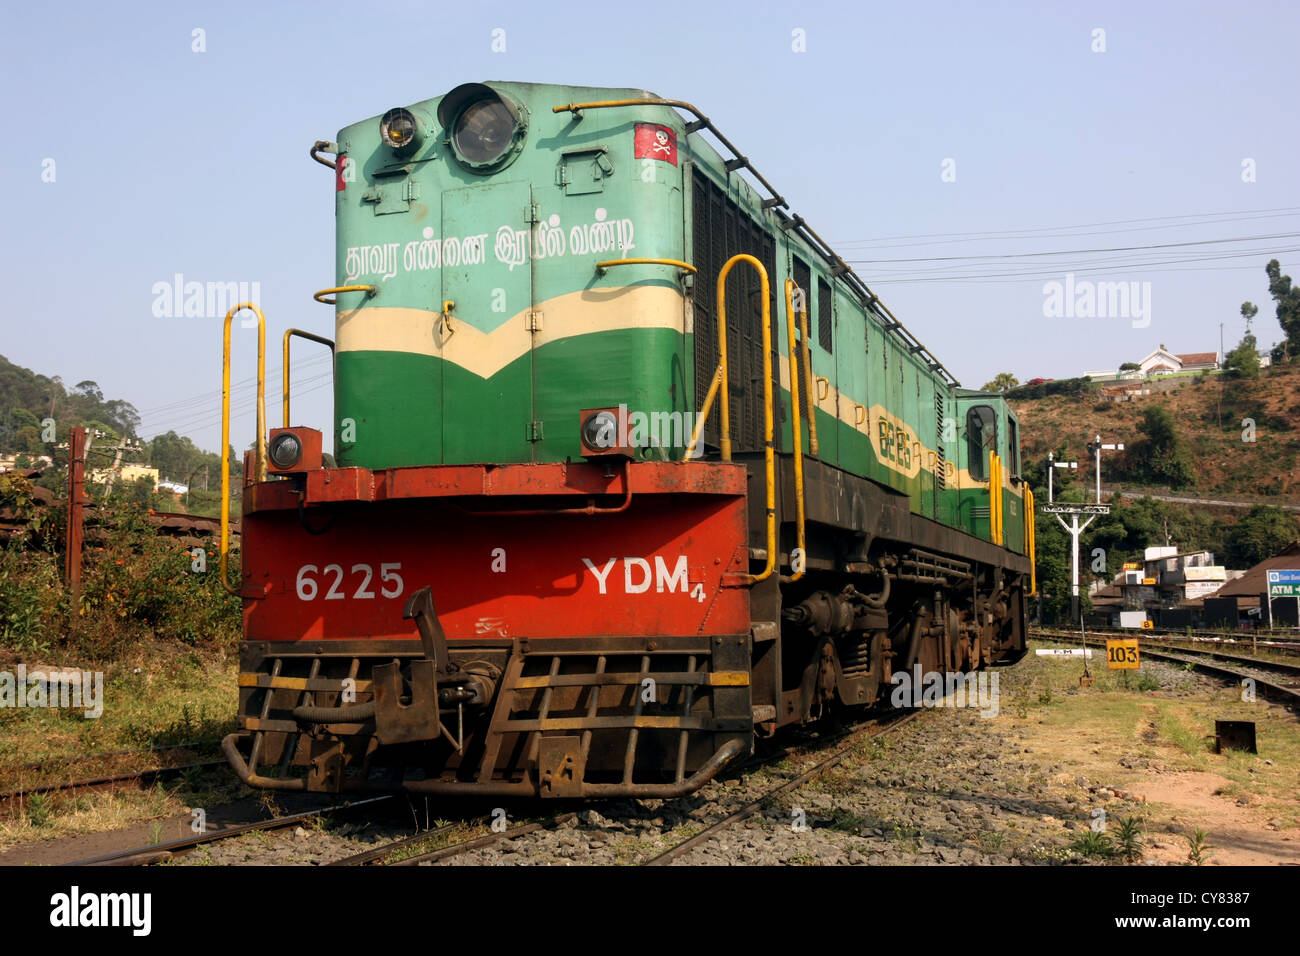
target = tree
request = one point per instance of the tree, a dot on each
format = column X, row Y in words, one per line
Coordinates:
column 1287, row 298
column 1129, row 367
column 1244, row 359
column 1262, row 533
column 1159, row 457
column 1248, row 312
column 1002, row 382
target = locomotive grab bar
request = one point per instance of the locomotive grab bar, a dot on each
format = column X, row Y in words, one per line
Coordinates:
column 769, row 458
column 809, row 384
column 288, row 334
column 369, row 290
column 719, row 387
column 259, row 468
column 602, row 266
column 1031, row 545
column 796, row 433
column 324, row 146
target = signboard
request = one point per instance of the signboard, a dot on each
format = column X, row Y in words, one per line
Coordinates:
column 1283, row 584
column 1075, row 509
column 1132, row 566
column 1122, row 654
column 1148, row 581
column 1065, row 652
column 1148, row 625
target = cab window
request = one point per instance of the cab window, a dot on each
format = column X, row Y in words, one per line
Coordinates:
column 981, row 438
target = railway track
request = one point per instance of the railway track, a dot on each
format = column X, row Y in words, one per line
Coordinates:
column 161, row 852
column 1276, row 680
column 875, row 728
column 384, row 855
column 14, row 799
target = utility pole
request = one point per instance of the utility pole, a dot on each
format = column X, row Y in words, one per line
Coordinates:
column 122, row 446
column 76, row 506
column 1218, row 404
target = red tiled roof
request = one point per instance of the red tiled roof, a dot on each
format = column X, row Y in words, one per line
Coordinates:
column 1199, row 358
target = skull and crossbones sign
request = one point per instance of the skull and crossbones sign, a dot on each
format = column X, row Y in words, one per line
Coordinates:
column 661, row 144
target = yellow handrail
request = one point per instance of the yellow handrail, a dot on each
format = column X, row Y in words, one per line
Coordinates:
column 808, row 379
column 796, row 434
column 369, row 290
column 995, row 498
column 289, row 333
column 259, row 467
column 707, row 407
column 602, row 266
column 1031, row 544
column 725, row 405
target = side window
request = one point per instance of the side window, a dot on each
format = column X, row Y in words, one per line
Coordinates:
column 981, row 437
column 825, row 321
column 802, row 276
column 1013, row 451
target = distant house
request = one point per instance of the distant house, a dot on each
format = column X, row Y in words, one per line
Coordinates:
column 1161, row 362
column 1198, row 361
column 125, row 473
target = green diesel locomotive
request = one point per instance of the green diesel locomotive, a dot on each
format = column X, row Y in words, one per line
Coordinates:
column 630, row 467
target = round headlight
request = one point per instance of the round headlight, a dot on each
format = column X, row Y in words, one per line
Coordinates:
column 285, row 450
column 484, row 131
column 600, row 430
column 399, row 130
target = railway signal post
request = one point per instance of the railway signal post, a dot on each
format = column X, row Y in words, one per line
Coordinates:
column 1095, row 449
column 1052, row 464
column 1075, row 529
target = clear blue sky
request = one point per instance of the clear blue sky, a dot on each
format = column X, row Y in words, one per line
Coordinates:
column 170, row 161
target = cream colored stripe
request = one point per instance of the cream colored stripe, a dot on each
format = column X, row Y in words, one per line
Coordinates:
column 423, row 332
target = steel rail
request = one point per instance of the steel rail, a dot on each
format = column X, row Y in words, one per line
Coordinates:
column 457, row 849
column 756, row 805
column 143, row 856
column 90, row 783
column 1288, row 696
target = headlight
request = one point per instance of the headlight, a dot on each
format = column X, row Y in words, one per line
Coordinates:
column 483, row 131
column 400, row 130
column 285, row 450
column 600, row 431
column 485, row 127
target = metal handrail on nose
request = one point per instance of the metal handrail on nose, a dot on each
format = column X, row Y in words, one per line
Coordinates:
column 288, row 334
column 259, row 460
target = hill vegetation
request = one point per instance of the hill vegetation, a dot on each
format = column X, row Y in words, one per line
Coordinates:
column 37, row 412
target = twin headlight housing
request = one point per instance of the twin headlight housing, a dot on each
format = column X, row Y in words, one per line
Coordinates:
column 484, row 128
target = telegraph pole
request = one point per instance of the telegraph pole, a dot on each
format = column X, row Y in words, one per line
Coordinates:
column 76, row 506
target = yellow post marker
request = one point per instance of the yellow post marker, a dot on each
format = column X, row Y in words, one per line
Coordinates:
column 1122, row 654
